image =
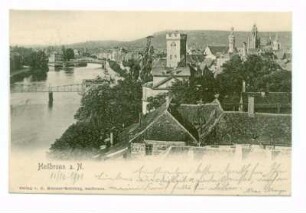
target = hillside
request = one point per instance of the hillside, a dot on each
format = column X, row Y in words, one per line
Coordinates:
column 196, row 38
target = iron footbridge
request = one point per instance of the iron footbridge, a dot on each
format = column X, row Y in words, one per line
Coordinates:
column 23, row 88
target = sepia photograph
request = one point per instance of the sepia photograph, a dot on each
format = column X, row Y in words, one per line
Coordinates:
column 150, row 103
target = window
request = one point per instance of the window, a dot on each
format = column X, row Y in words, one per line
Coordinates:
column 173, row 44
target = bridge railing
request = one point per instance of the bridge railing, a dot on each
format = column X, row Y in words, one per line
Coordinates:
column 59, row 88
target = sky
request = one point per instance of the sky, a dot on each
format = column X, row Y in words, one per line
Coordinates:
column 65, row 27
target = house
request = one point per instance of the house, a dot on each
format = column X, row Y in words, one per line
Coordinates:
column 263, row 129
column 171, row 125
column 161, row 129
column 214, row 52
column 186, row 125
column 163, row 78
column 55, row 57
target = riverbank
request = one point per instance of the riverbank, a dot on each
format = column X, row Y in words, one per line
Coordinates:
column 34, row 124
column 72, row 63
column 20, row 74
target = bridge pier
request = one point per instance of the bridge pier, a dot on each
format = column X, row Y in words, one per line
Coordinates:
column 50, row 97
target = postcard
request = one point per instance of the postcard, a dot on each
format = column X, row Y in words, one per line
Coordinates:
column 150, row 103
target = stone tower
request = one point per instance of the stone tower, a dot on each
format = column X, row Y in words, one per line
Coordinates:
column 231, row 41
column 276, row 44
column 176, row 49
column 254, row 40
column 244, row 52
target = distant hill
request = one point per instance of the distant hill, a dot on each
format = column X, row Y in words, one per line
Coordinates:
column 202, row 38
column 195, row 38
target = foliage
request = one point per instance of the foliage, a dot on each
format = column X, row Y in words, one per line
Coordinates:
column 15, row 62
column 134, row 66
column 103, row 107
column 202, row 89
column 146, row 65
column 230, row 80
column 260, row 72
column 279, row 80
column 36, row 62
column 67, row 54
column 109, row 107
column 79, row 136
column 116, row 67
column 39, row 62
column 25, row 54
column 156, row 101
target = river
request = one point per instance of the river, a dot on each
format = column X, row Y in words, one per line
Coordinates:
column 36, row 125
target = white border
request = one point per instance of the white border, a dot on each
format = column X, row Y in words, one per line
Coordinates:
column 101, row 203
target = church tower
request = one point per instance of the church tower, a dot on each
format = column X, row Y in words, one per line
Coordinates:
column 231, row 41
column 254, row 40
column 176, row 49
column 276, row 44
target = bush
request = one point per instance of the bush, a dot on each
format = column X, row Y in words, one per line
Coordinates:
column 79, row 136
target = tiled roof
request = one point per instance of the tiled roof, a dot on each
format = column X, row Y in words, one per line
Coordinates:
column 218, row 49
column 262, row 129
column 163, row 82
column 147, row 119
column 199, row 121
column 180, row 71
column 157, row 116
column 183, row 121
column 198, row 113
column 194, row 59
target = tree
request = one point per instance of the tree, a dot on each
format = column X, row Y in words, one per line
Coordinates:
column 15, row 61
column 68, row 54
column 202, row 88
column 80, row 135
column 157, row 101
column 230, row 80
column 276, row 81
column 25, row 53
column 134, row 66
column 103, row 107
column 39, row 62
column 260, row 72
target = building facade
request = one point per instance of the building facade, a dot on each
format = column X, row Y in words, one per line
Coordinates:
column 166, row 71
column 176, row 49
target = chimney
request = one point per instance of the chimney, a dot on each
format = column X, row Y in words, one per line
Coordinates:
column 140, row 119
column 251, row 103
column 243, row 86
column 111, row 138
